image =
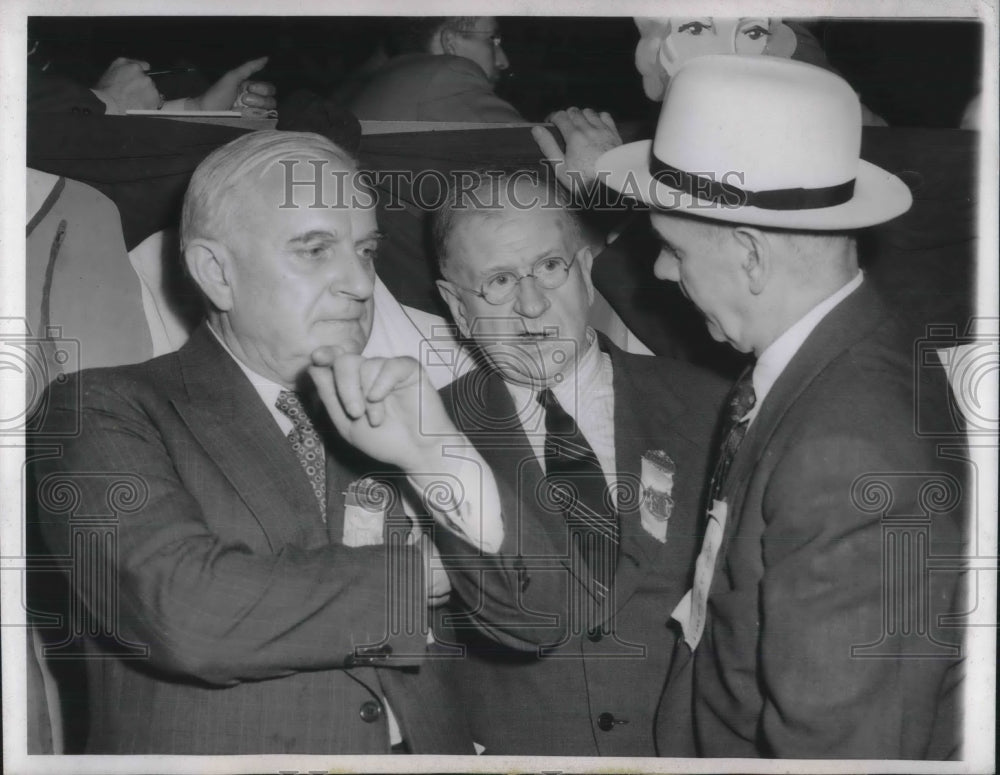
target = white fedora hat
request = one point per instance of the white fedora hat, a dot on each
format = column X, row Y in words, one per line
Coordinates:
column 758, row 140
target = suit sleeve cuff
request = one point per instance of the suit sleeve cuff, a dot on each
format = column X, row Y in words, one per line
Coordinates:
column 464, row 498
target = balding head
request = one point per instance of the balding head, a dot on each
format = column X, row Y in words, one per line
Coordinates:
column 225, row 175
column 495, row 196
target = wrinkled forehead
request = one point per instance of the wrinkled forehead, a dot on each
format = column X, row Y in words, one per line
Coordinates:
column 524, row 233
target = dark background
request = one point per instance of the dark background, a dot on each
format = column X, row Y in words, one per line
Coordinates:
column 912, row 73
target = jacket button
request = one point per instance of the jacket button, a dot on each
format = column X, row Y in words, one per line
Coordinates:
column 370, row 711
column 594, row 635
column 606, row 721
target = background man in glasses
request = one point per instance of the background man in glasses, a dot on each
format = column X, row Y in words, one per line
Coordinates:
column 441, row 68
column 606, row 453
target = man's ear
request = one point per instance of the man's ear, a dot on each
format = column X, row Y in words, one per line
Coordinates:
column 443, row 42
column 757, row 260
column 449, row 292
column 585, row 257
column 210, row 264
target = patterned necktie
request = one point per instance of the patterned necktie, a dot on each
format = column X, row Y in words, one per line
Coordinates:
column 578, row 485
column 306, row 443
column 741, row 400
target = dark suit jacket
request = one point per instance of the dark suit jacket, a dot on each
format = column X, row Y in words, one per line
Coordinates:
column 57, row 94
column 222, row 615
column 430, row 87
column 831, row 493
column 520, row 703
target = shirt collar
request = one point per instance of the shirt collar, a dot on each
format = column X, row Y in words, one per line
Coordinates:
column 779, row 353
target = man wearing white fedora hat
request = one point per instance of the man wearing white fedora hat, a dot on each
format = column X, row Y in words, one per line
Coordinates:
column 812, row 629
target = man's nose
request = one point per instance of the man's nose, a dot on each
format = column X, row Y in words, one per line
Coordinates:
column 353, row 277
column 667, row 267
column 530, row 301
column 500, row 58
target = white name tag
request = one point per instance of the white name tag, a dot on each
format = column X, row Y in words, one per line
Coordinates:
column 691, row 611
column 364, row 520
column 657, row 504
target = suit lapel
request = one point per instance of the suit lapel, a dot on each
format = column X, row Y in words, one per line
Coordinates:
column 493, row 423
column 508, row 442
column 846, row 324
column 224, row 413
column 640, row 553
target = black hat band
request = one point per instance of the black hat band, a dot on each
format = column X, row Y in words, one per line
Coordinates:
column 728, row 195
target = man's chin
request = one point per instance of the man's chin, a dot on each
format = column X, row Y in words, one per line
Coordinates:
column 532, row 361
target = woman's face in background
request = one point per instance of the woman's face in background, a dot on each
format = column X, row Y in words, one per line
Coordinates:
column 666, row 43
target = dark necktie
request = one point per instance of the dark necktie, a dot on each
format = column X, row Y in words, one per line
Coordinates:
column 306, row 443
column 741, row 400
column 578, row 486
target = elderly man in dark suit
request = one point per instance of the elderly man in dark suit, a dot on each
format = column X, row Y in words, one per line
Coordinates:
column 607, row 453
column 799, row 640
column 260, row 590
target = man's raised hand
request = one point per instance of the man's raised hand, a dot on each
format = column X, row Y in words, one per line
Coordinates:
column 387, row 408
column 587, row 134
column 375, row 403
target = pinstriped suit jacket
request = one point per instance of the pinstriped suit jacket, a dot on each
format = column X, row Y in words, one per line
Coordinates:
column 222, row 615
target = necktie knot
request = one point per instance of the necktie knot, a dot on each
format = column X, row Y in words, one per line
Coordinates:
column 546, row 398
column 743, row 397
column 290, row 404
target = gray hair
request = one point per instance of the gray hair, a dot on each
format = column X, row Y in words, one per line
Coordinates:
column 215, row 188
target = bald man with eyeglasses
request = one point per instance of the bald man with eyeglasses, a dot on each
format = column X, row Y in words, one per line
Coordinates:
column 606, row 453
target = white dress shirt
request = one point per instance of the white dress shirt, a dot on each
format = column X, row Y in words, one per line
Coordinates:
column 587, row 394
column 773, row 361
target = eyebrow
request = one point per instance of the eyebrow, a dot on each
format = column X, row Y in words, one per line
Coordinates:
column 372, row 235
column 535, row 259
column 316, row 234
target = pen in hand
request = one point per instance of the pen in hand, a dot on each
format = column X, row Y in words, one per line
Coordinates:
column 171, row 71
